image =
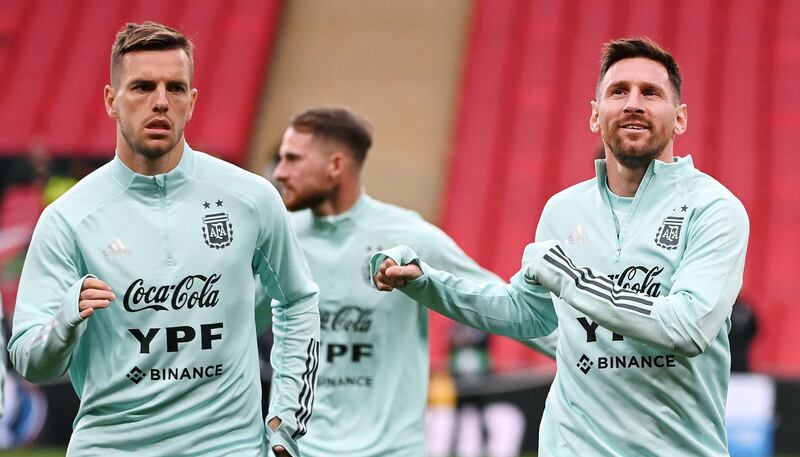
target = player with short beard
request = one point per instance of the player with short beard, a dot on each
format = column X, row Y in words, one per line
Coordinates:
column 646, row 210
column 139, row 281
column 373, row 373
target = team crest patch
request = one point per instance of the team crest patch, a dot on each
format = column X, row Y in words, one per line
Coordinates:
column 669, row 232
column 217, row 230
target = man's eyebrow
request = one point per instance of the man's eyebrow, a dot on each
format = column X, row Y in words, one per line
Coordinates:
column 617, row 84
column 642, row 84
column 152, row 81
column 654, row 86
column 140, row 81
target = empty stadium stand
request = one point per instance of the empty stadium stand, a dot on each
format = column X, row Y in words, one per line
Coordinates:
column 54, row 58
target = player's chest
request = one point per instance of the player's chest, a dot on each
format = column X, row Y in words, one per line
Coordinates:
column 637, row 250
column 151, row 232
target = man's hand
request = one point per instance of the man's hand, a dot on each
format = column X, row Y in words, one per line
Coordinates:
column 95, row 294
column 273, row 425
column 391, row 275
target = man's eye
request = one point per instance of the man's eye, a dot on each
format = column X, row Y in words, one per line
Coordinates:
column 177, row 89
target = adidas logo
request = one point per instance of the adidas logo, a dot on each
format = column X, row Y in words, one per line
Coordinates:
column 117, row 247
column 577, row 236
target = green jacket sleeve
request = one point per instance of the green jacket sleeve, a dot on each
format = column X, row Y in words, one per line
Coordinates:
column 511, row 309
column 447, row 255
column 284, row 274
column 47, row 325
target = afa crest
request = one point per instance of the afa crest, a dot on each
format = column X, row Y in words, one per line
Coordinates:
column 217, row 230
column 669, row 233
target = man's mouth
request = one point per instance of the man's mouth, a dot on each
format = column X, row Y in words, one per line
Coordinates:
column 633, row 126
column 158, row 124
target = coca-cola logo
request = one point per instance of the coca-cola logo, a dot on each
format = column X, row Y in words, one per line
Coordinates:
column 190, row 292
column 639, row 279
column 348, row 319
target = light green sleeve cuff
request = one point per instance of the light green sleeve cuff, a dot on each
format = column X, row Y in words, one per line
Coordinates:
column 44, row 353
column 281, row 437
column 402, row 255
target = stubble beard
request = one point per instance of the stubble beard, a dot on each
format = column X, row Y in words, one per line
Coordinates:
column 310, row 200
column 149, row 152
column 635, row 158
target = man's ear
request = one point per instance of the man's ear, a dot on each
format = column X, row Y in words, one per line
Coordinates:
column 681, row 119
column 594, row 122
column 336, row 164
column 193, row 94
column 109, row 98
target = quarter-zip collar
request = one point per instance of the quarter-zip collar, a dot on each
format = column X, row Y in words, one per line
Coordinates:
column 343, row 219
column 667, row 174
column 175, row 177
column 678, row 166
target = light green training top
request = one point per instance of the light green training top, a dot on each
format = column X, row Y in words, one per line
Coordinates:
column 2, row 361
column 643, row 310
column 170, row 368
column 373, row 376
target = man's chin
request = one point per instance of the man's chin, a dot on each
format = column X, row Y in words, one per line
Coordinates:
column 293, row 205
column 154, row 151
column 635, row 160
column 303, row 202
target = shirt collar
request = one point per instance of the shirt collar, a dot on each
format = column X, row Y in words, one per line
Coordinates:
column 679, row 165
column 175, row 177
column 351, row 214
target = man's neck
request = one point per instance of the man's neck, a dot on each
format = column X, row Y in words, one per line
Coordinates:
column 143, row 165
column 624, row 181
column 343, row 198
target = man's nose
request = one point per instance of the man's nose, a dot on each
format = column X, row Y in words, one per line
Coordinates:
column 161, row 103
column 633, row 104
column 279, row 173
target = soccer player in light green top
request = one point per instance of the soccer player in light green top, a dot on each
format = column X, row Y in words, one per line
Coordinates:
column 373, row 373
column 140, row 282
column 640, row 266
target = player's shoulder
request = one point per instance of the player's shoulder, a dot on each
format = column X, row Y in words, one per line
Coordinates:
column 93, row 191
column 248, row 186
column 393, row 218
column 707, row 192
column 378, row 209
column 572, row 195
column 213, row 170
column 395, row 225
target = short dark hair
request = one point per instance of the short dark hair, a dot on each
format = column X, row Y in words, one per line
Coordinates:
column 339, row 125
column 149, row 36
column 627, row 48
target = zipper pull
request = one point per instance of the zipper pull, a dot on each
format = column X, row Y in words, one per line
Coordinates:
column 619, row 253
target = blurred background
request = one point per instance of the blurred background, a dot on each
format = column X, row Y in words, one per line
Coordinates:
column 480, row 112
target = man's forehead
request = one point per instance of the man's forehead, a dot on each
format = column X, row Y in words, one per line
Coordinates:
column 636, row 70
column 295, row 139
column 305, row 142
column 170, row 64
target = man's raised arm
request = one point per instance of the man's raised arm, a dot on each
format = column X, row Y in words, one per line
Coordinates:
column 516, row 310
